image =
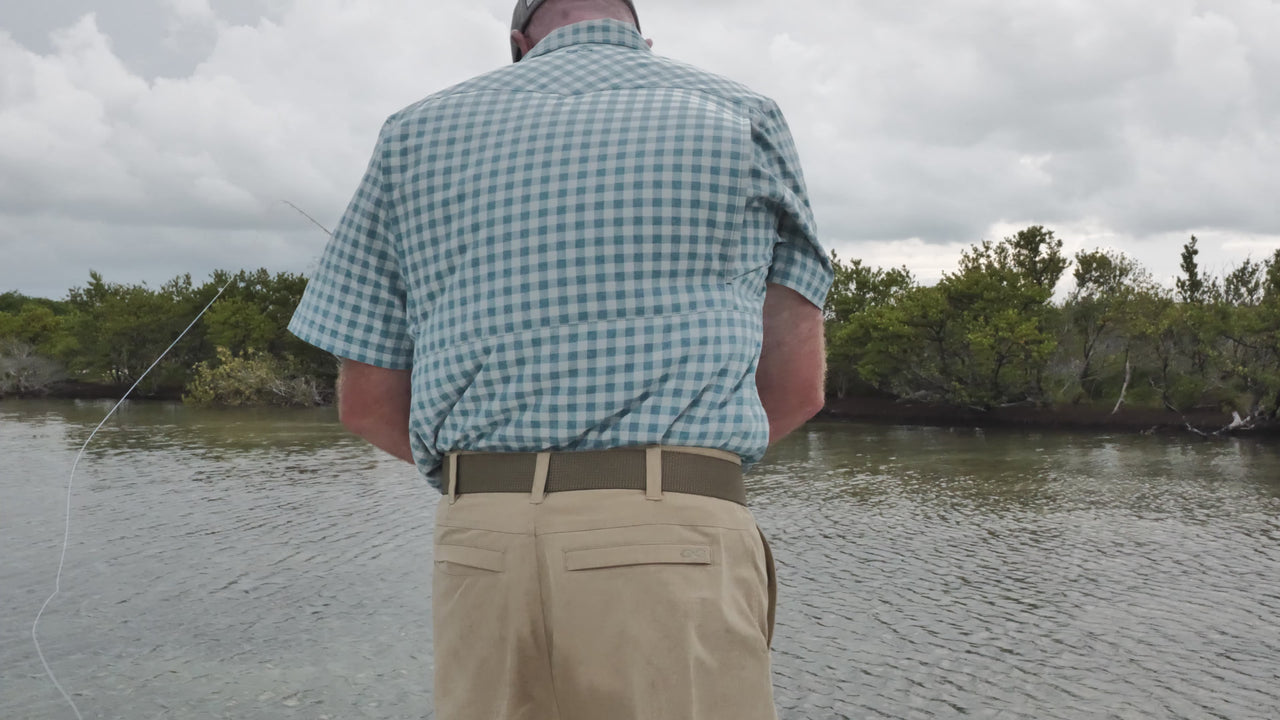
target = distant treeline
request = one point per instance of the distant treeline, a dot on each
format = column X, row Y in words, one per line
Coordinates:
column 108, row 334
column 989, row 335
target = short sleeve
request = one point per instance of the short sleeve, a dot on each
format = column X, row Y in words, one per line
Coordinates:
column 799, row 260
column 354, row 305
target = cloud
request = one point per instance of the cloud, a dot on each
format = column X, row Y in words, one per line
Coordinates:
column 922, row 128
column 933, row 121
column 273, row 112
column 194, row 11
column 96, row 155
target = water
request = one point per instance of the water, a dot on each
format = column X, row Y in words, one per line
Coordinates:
column 261, row 564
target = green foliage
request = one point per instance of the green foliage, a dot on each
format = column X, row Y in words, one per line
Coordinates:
column 990, row 333
column 1244, row 285
column 239, row 325
column 14, row 302
column 981, row 337
column 1271, row 279
column 251, row 378
column 859, row 287
column 111, row 332
column 855, row 309
column 34, row 324
column 31, row 332
column 986, row 335
column 118, row 330
column 997, row 332
column 1037, row 256
column 254, row 314
column 1191, row 285
column 1101, row 313
column 1249, row 356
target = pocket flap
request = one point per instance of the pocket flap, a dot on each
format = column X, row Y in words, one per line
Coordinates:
column 637, row 555
column 471, row 557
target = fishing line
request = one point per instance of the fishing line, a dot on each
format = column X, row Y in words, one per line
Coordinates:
column 66, row 534
column 306, row 215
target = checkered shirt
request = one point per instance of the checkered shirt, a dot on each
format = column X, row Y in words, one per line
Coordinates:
column 571, row 252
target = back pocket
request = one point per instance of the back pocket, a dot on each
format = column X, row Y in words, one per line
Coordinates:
column 611, row 557
column 463, row 560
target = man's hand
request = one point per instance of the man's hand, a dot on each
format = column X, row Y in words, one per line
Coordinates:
column 792, row 372
column 373, row 403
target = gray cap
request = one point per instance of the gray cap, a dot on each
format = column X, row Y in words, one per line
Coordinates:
column 524, row 12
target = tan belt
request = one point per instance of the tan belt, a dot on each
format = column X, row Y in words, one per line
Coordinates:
column 698, row 471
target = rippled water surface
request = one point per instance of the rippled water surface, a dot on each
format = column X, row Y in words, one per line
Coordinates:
column 260, row 564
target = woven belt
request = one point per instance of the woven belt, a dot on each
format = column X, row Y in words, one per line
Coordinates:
column 696, row 471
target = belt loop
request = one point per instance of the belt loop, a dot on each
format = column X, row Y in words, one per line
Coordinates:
column 451, row 462
column 653, row 473
column 540, row 467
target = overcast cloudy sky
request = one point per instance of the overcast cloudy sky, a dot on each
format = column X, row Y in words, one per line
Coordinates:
column 145, row 138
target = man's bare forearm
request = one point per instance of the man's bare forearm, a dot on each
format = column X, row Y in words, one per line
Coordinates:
column 791, row 373
column 390, row 437
column 787, row 412
column 373, row 403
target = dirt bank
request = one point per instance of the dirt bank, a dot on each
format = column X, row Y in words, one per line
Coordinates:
column 74, row 390
column 1070, row 417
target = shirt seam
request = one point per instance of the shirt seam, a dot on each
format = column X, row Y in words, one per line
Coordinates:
column 747, row 105
column 582, row 323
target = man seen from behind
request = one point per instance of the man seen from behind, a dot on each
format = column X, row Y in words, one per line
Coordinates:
column 582, row 294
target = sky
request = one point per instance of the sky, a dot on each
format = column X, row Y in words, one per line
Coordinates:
column 149, row 138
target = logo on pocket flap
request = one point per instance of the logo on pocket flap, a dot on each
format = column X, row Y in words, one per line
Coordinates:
column 608, row 557
column 696, row 554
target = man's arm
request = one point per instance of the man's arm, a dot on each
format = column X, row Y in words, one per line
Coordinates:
column 791, row 374
column 373, row 403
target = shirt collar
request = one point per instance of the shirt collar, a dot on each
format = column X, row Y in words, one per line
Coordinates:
column 598, row 32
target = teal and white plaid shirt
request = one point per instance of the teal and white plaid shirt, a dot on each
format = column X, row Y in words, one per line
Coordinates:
column 571, row 252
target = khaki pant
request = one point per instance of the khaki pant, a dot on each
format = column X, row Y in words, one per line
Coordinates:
column 601, row 605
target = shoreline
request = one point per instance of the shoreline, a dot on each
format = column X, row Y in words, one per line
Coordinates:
column 890, row 411
column 1074, row 418
column 75, row 390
